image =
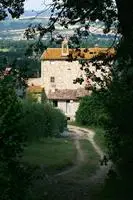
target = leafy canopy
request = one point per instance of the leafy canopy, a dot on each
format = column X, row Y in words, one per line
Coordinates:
column 11, row 7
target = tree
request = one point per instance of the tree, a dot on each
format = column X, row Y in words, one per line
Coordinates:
column 13, row 176
column 107, row 11
column 12, row 140
column 13, row 7
column 91, row 111
column 10, row 114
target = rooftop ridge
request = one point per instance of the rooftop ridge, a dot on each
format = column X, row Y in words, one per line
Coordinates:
column 77, row 53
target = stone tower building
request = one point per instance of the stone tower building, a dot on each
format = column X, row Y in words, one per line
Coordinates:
column 59, row 68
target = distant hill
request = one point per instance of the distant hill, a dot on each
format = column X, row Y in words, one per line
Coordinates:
column 13, row 29
column 31, row 13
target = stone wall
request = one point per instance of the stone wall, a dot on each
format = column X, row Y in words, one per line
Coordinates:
column 63, row 71
column 34, row 81
column 69, row 108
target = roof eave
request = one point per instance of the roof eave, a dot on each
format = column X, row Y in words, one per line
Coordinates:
column 65, row 59
column 63, row 99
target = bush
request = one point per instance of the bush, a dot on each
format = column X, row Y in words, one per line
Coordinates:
column 119, row 129
column 41, row 120
column 11, row 136
column 92, row 110
column 13, row 177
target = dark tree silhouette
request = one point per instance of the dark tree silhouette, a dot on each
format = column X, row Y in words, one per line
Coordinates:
column 12, row 7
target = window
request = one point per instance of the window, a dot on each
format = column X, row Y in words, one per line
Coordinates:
column 67, row 106
column 68, row 118
column 52, row 79
column 55, row 103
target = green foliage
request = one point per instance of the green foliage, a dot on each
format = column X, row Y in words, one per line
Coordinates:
column 92, row 110
column 100, row 138
column 43, row 96
column 119, row 129
column 31, row 97
column 11, row 137
column 13, row 7
column 13, row 177
column 15, row 180
column 16, row 54
column 41, row 120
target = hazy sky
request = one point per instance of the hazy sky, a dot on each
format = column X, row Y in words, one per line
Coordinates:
column 35, row 4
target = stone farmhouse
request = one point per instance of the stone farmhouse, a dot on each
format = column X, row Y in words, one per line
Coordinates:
column 59, row 68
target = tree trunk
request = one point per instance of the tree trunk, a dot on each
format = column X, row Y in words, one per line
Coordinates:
column 125, row 17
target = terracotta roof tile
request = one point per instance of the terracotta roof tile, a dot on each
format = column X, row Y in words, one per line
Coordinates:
column 56, row 53
column 81, row 92
column 67, row 94
column 64, row 94
column 35, row 89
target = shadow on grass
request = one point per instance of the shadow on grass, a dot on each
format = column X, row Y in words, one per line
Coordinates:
column 51, row 154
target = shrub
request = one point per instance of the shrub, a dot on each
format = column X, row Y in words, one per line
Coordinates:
column 119, row 129
column 12, row 142
column 41, row 120
column 31, row 97
column 11, row 136
column 92, row 110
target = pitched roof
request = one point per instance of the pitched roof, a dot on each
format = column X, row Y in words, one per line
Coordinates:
column 34, row 81
column 81, row 92
column 35, row 89
column 82, row 53
column 67, row 94
column 64, row 94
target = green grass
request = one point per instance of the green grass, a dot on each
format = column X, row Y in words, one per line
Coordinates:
column 91, row 154
column 54, row 154
column 88, row 167
column 57, row 153
column 99, row 138
column 4, row 50
column 91, row 161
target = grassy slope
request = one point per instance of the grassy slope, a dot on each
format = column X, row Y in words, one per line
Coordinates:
column 113, row 189
column 54, row 154
column 99, row 137
column 89, row 165
column 57, row 154
column 4, row 49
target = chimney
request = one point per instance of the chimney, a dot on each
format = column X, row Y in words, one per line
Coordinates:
column 65, row 49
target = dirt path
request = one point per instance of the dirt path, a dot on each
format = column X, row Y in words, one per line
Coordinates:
column 102, row 171
column 78, row 133
column 80, row 159
column 89, row 135
column 73, row 183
